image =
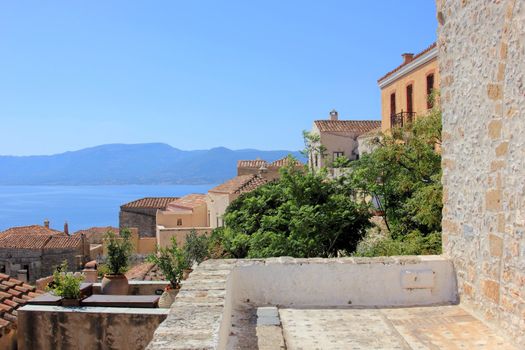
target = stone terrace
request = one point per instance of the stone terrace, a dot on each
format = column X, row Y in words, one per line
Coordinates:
column 413, row 306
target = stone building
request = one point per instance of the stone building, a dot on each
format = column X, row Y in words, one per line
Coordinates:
column 141, row 214
column 95, row 235
column 338, row 138
column 187, row 211
column 482, row 65
column 406, row 89
column 31, row 252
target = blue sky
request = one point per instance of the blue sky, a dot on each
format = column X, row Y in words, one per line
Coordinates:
column 195, row 74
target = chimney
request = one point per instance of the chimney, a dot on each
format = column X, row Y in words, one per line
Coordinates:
column 334, row 115
column 46, row 223
column 66, row 228
column 407, row 57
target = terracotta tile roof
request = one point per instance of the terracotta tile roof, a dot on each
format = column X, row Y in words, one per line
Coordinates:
column 31, row 229
column 57, row 242
column 189, row 201
column 404, row 64
column 39, row 241
column 145, row 272
column 150, row 203
column 284, row 161
column 100, row 230
column 354, row 126
column 251, row 185
column 13, row 294
column 232, row 185
column 257, row 163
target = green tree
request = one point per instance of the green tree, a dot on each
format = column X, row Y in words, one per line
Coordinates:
column 302, row 215
column 404, row 174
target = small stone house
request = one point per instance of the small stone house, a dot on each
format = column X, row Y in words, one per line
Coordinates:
column 187, row 211
column 31, row 252
column 142, row 214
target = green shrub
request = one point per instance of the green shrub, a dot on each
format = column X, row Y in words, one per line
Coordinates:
column 171, row 261
column 196, row 248
column 65, row 284
column 119, row 250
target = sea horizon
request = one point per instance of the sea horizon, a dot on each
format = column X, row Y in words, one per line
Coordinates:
column 82, row 206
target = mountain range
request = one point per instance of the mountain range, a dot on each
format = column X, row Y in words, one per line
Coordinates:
column 123, row 164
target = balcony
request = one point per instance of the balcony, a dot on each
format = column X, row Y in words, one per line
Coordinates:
column 398, row 120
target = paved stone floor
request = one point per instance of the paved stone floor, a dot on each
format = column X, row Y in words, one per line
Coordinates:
column 422, row 328
column 440, row 327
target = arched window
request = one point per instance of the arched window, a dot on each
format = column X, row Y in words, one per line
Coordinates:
column 179, row 222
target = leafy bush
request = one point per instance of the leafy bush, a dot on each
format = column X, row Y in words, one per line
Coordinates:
column 300, row 215
column 65, row 284
column 171, row 261
column 404, row 173
column 119, row 250
column 196, row 248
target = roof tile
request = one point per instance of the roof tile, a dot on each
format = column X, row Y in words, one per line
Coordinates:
column 189, row 201
column 357, row 127
column 13, row 299
column 240, row 184
column 31, row 229
column 150, row 203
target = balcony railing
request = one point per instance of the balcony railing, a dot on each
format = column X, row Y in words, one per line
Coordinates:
column 401, row 119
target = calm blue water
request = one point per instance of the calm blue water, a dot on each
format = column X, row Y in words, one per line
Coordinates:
column 80, row 206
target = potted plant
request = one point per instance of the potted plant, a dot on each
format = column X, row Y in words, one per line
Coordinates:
column 118, row 252
column 171, row 261
column 195, row 250
column 66, row 285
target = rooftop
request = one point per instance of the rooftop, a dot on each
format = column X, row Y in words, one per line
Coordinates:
column 31, row 229
column 39, row 241
column 257, row 163
column 352, row 126
column 150, row 203
column 240, row 184
column 88, row 232
column 13, row 294
column 417, row 56
column 189, row 201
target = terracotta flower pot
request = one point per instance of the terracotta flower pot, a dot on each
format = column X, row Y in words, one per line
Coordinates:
column 70, row 302
column 168, row 297
column 186, row 273
column 115, row 284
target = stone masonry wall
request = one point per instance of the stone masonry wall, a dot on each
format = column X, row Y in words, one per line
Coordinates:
column 482, row 65
column 143, row 219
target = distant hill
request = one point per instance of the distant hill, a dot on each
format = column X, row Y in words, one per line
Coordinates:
column 115, row 164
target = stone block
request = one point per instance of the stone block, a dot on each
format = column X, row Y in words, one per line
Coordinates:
column 494, row 91
column 502, row 149
column 495, row 245
column 493, row 199
column 494, row 129
column 490, row 290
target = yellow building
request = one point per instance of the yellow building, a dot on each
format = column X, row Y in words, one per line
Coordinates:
column 405, row 90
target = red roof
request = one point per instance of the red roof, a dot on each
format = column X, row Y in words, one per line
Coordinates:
column 350, row 126
column 240, row 184
column 31, row 229
column 150, row 203
column 39, row 241
column 257, row 163
column 284, row 161
column 405, row 63
column 13, row 294
column 189, row 201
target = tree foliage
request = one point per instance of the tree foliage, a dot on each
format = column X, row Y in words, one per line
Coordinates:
column 302, row 215
column 404, row 174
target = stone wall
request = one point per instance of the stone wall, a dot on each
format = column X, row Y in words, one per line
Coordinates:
column 53, row 327
column 482, row 65
column 143, row 219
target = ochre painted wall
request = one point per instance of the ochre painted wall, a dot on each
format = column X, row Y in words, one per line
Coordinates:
column 418, row 79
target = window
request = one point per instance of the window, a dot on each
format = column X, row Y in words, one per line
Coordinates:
column 338, row 154
column 179, row 222
column 410, row 107
column 430, row 89
column 26, row 267
column 393, row 104
column 2, row 268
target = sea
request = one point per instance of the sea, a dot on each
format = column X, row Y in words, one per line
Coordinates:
column 81, row 206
